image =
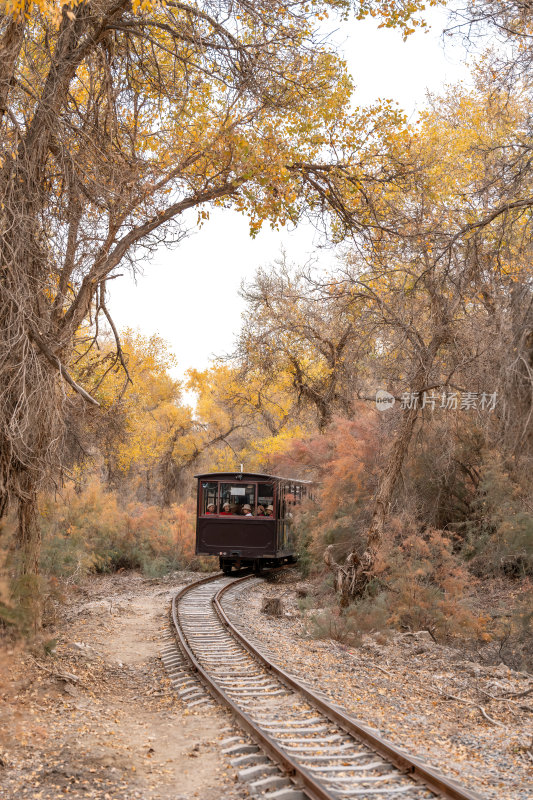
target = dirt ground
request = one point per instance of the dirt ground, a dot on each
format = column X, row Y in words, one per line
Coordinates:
column 89, row 712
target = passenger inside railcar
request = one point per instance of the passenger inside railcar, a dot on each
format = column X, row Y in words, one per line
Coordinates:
column 226, row 510
column 235, row 496
column 211, row 508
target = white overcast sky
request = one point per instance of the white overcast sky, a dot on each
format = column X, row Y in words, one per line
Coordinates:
column 189, row 295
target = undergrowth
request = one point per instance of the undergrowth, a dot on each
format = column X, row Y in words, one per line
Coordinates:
column 88, row 532
column 420, row 584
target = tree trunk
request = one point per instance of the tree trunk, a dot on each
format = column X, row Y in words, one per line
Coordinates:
column 28, row 544
column 352, row 577
column 29, row 535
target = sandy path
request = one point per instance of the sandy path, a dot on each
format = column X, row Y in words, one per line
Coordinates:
column 118, row 731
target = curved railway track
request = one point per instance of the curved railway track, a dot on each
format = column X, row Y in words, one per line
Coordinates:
column 323, row 753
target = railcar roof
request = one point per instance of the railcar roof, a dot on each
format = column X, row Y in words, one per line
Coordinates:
column 258, row 475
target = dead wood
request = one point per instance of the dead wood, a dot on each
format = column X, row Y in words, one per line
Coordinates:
column 519, row 694
column 62, row 676
column 448, row 696
column 273, row 606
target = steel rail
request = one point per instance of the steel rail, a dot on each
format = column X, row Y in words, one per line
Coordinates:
column 289, row 765
column 406, row 764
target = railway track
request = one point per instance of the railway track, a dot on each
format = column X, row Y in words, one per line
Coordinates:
column 322, row 752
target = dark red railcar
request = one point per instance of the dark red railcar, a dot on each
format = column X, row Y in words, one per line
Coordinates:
column 246, row 518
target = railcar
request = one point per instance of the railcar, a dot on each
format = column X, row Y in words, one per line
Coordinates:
column 246, row 518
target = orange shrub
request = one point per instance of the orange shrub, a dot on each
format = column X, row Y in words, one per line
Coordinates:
column 342, row 460
column 89, row 532
column 428, row 585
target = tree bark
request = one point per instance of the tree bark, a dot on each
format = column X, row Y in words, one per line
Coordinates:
column 9, row 50
column 29, row 538
column 28, row 550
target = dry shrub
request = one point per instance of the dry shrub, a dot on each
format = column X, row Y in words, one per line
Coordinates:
column 343, row 461
column 333, row 623
column 421, row 584
column 423, row 573
column 515, row 643
column 427, row 583
column 371, row 613
column 500, row 535
column 89, row 532
column 511, row 627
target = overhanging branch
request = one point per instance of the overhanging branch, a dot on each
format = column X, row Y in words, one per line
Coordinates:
column 54, row 360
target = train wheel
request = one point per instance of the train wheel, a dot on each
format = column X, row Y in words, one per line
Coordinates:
column 224, row 566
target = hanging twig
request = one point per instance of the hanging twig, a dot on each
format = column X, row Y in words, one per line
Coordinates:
column 120, row 352
column 54, row 360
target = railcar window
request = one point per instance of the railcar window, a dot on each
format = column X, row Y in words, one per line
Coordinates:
column 209, row 497
column 265, row 499
column 235, row 496
column 286, row 500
